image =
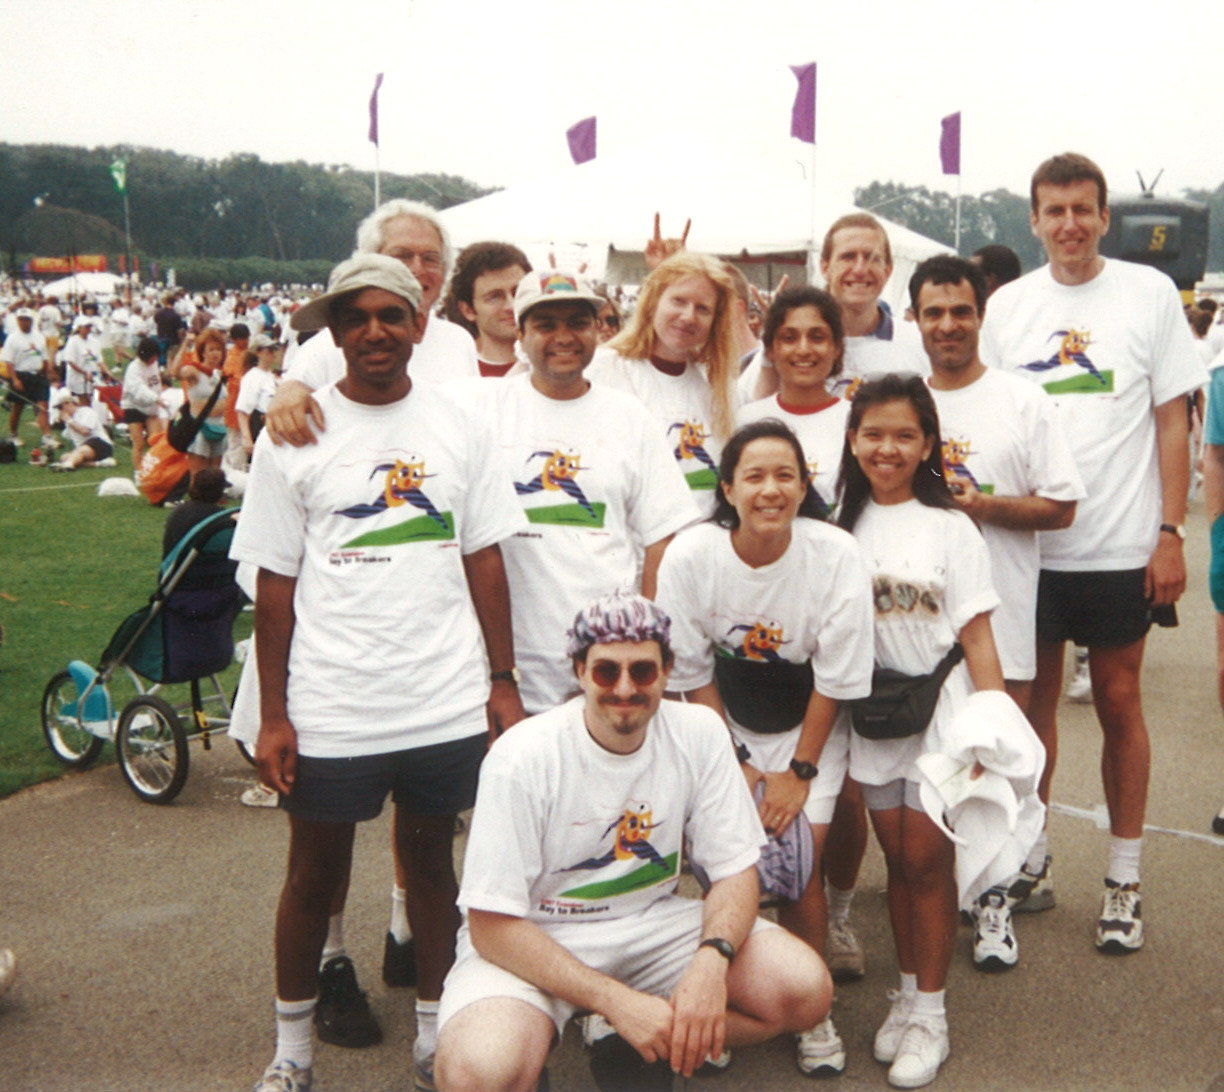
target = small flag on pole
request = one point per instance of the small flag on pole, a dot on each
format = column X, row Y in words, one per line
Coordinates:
column 118, row 170
column 581, row 137
column 949, row 143
column 374, row 110
column 803, row 113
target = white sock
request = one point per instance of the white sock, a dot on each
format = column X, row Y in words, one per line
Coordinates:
column 1037, row 855
column 909, row 985
column 295, row 1032
column 400, row 929
column 839, row 902
column 427, row 1029
column 334, row 944
column 929, row 1004
column 1124, row 854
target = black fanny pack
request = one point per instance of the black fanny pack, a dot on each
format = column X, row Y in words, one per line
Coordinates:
column 764, row 696
column 901, row 705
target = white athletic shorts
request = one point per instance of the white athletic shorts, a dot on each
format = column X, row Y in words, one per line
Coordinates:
column 772, row 752
column 649, row 951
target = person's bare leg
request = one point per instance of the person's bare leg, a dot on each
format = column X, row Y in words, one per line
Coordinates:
column 499, row 1044
column 320, row 857
column 930, row 879
column 776, row 984
column 1043, row 707
column 425, row 852
column 808, row 918
column 1126, row 754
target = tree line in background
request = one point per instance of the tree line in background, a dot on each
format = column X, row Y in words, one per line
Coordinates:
column 999, row 216
column 240, row 220
column 235, row 220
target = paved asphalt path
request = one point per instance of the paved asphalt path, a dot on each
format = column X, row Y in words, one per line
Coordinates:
column 144, row 934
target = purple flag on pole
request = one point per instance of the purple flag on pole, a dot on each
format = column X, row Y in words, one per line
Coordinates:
column 803, row 113
column 374, row 110
column 581, row 137
column 949, row 143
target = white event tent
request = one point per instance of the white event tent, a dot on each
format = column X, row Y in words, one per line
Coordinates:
column 757, row 211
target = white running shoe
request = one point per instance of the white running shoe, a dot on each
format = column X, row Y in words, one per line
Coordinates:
column 1030, row 893
column 820, row 1051
column 844, row 951
column 1080, row 687
column 888, row 1038
column 257, row 796
column 922, row 1050
column 1120, row 929
column 284, row 1077
column 994, row 940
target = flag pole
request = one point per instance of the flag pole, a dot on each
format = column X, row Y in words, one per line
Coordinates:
column 373, row 136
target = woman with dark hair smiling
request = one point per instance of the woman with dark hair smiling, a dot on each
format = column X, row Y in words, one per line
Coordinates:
column 771, row 627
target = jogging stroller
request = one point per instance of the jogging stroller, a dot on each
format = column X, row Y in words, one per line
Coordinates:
column 183, row 635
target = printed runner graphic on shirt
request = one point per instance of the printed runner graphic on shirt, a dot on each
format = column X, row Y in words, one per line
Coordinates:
column 631, row 831
column 1072, row 353
column 896, row 598
column 557, row 475
column 760, row 641
column 956, row 471
column 691, row 450
column 401, row 486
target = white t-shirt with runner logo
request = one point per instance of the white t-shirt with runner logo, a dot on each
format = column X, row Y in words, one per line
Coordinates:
column 1108, row 352
column 374, row 521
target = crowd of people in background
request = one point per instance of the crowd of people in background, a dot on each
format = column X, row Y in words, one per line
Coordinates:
column 751, row 500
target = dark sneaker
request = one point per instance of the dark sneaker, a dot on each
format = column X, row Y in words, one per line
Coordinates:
column 399, row 962
column 342, row 1016
column 1217, row 823
column 617, row 1067
column 994, row 941
column 1029, row 893
column 1120, row 930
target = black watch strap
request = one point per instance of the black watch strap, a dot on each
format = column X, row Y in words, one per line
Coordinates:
column 723, row 947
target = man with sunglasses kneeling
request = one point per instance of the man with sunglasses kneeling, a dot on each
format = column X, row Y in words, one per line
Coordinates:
column 569, row 887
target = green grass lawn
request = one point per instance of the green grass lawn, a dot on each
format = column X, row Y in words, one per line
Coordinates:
column 73, row 565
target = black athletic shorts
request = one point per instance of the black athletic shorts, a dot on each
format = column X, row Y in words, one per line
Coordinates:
column 436, row 780
column 1097, row 609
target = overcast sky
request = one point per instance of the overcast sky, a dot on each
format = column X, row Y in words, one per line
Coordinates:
column 486, row 90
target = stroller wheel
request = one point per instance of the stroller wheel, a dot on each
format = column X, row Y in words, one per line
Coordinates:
column 70, row 741
column 152, row 749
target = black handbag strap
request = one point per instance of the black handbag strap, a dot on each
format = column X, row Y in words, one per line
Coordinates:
column 952, row 657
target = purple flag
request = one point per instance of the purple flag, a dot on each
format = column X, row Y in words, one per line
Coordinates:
column 803, row 113
column 374, row 110
column 581, row 137
column 949, row 143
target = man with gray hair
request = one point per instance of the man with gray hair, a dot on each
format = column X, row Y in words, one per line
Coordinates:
column 413, row 233
column 383, row 638
column 570, row 878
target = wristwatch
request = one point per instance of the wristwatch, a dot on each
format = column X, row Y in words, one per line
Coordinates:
column 741, row 752
column 723, row 947
column 1175, row 529
column 805, row 771
column 510, row 675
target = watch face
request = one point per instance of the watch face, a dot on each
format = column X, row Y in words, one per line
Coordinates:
column 805, row 771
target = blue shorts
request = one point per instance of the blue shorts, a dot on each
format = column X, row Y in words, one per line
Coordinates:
column 436, row 780
column 1216, row 571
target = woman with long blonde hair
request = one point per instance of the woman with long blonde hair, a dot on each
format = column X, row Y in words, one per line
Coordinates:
column 678, row 355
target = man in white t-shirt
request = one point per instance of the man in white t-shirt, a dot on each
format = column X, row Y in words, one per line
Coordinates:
column 413, row 233
column 601, row 490
column 569, row 883
column 481, row 297
column 1010, row 467
column 1108, row 340
column 383, row 637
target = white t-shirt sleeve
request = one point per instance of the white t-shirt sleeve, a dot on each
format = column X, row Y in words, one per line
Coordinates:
column 504, row 849
column 1177, row 368
column 845, row 656
column 678, row 597
column 723, row 831
column 317, row 363
column 970, row 588
column 272, row 531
